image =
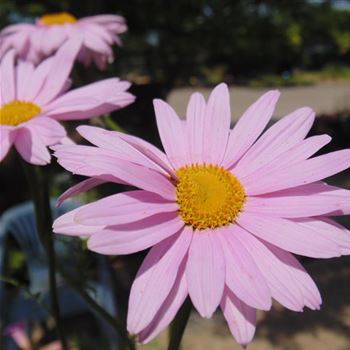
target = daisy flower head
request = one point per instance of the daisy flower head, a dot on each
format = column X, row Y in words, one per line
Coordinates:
column 34, row 42
column 223, row 210
column 34, row 100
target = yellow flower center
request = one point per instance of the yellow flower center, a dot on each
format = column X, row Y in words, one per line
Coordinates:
column 209, row 196
column 17, row 112
column 59, row 18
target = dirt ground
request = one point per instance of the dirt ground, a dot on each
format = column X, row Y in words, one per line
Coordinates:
column 327, row 98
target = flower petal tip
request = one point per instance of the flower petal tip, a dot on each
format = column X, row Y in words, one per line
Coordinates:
column 159, row 102
column 221, row 86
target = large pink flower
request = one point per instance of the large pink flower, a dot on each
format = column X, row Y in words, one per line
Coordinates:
column 34, row 42
column 34, row 100
column 222, row 210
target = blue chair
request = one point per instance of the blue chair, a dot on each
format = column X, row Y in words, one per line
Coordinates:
column 20, row 223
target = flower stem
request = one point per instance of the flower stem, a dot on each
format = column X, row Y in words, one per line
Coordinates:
column 40, row 194
column 111, row 124
column 125, row 341
column 179, row 324
column 28, row 294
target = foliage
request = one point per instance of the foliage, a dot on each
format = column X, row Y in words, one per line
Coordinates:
column 181, row 41
column 301, row 77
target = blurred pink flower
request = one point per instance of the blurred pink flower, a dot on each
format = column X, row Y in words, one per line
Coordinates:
column 17, row 332
column 222, row 210
column 34, row 100
column 34, row 42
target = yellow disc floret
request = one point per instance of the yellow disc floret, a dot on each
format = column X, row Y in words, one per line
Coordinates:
column 17, row 112
column 59, row 18
column 209, row 196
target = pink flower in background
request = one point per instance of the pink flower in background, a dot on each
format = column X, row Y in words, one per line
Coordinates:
column 222, row 210
column 34, row 100
column 17, row 332
column 34, row 42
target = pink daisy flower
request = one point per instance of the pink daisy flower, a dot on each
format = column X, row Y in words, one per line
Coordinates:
column 34, row 42
column 222, row 210
column 34, row 100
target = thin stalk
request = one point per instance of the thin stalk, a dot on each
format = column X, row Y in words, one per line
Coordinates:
column 179, row 324
column 36, row 297
column 40, row 194
column 111, row 124
column 126, row 342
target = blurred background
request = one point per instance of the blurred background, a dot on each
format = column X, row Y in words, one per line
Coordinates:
column 173, row 48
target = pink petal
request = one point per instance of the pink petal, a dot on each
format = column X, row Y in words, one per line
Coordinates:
column 31, row 147
column 205, row 272
column 91, row 100
column 75, row 158
column 50, row 131
column 195, row 127
column 124, row 208
column 150, row 151
column 17, row 331
column 82, row 186
column 169, row 309
column 66, row 141
column 92, row 161
column 328, row 229
column 249, row 127
column 16, row 28
column 136, row 236
column 5, row 141
column 290, row 235
column 300, row 173
column 57, row 38
column 296, row 154
column 217, row 124
column 171, row 133
column 308, row 200
column 8, row 82
column 60, row 69
column 311, row 295
column 38, row 79
column 276, row 274
column 101, row 32
column 104, row 19
column 24, row 75
column 278, row 139
column 67, row 225
column 95, row 43
column 155, row 280
column 79, row 159
column 240, row 318
column 113, row 141
column 36, row 38
column 343, row 240
column 242, row 274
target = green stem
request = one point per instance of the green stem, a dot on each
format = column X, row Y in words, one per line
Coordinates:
column 26, row 291
column 111, row 124
column 44, row 220
column 125, row 342
column 179, row 325
column 40, row 194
